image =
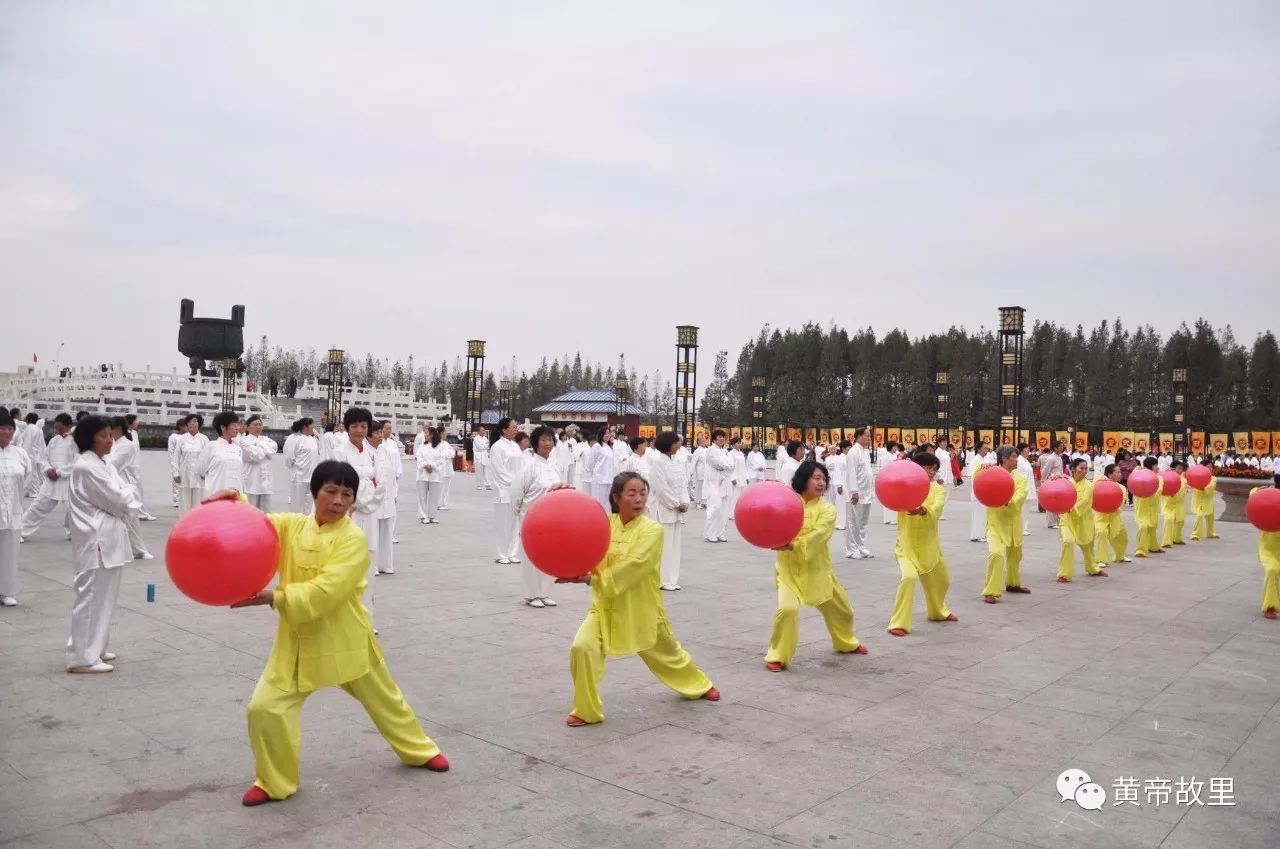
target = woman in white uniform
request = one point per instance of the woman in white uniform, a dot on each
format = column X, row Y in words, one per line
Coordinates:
column 186, row 460
column 15, row 469
column 124, row 457
column 668, row 501
column 301, row 456
column 429, row 460
column 221, row 463
column 100, row 503
column 354, row 449
column 977, row 512
column 537, row 477
column 447, row 454
column 257, row 451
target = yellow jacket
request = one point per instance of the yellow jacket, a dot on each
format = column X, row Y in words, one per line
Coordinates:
column 325, row 635
column 1005, row 523
column 918, row 541
column 1106, row 524
column 806, row 568
column 1202, row 499
column 1076, row 525
column 624, row 587
column 1146, row 511
column 1175, row 506
column 1268, row 545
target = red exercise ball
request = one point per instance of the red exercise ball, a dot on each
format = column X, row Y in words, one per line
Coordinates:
column 1198, row 477
column 1170, row 482
column 769, row 514
column 1263, row 509
column 222, row 552
column 1143, row 483
column 993, row 486
column 1058, row 496
column 1108, row 496
column 902, row 486
column 565, row 533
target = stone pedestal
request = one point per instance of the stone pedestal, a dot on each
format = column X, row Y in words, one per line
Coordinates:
column 1235, row 492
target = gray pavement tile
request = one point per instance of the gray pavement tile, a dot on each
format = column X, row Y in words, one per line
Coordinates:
column 812, row 831
column 1040, row 819
column 66, row 837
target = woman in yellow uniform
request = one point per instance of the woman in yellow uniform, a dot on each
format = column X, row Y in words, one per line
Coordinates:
column 804, row 575
column 1146, row 513
column 1004, row 534
column 1202, row 506
column 1076, row 527
column 919, row 555
column 626, row 614
column 1174, row 509
column 324, row 639
column 1108, row 528
column 1269, row 554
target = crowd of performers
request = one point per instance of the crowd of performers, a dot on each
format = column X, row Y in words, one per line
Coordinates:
column 343, row 486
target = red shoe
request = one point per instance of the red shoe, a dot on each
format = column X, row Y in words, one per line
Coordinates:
column 712, row 695
column 858, row 650
column 774, row 666
column 951, row 617
column 1023, row 590
column 255, row 796
column 1101, row 573
column 575, row 721
column 1062, row 580
column 898, row 632
column 1271, row 613
column 437, row 764
column 990, row 599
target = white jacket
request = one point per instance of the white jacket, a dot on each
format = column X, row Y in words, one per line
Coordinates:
column 99, row 503
column 718, row 482
column 15, row 466
column 433, row 456
column 60, row 455
column 536, row 478
column 257, row 452
column 668, row 488
column 187, row 458
column 505, row 458
column 301, row 456
column 859, row 476
column 221, row 466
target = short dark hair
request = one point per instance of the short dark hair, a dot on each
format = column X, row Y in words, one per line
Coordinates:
column 1111, row 467
column 63, row 418
column 503, row 422
column 32, row 418
column 1176, row 464
column 83, row 414
column 620, row 482
column 635, row 442
column 1022, row 446
column 6, row 420
column 1150, row 463
column 181, row 423
column 87, row 429
column 800, row 480
column 521, row 436
column 665, row 440
column 356, row 415
column 925, row 459
column 305, row 421
column 119, row 422
column 130, row 418
column 539, row 432
column 14, row 413
column 1079, row 461
column 791, row 446
column 335, row 471
column 296, row 426
column 224, row 420
column 197, row 418
column 254, row 418
column 858, row 431
column 846, row 444
column 734, row 440
column 717, row 433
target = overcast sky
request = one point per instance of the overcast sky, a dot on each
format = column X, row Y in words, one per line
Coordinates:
column 397, row 177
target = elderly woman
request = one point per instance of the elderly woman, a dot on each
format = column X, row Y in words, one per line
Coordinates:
column 804, row 575
column 538, row 477
column 186, row 460
column 15, row 468
column 100, row 504
column 124, row 456
column 256, row 452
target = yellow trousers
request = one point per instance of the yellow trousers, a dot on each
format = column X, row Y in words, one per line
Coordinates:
column 935, row 584
column 1270, row 588
column 1110, row 547
column 1172, row 531
column 1147, row 541
column 836, row 612
column 667, row 660
column 1004, row 567
column 275, row 732
column 1067, row 560
column 1203, row 528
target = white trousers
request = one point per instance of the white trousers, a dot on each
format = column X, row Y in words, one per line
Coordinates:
column 429, row 493
column 600, row 492
column 261, row 500
column 482, row 472
column 445, row 486
column 9, row 540
column 537, row 584
column 583, row 485
column 189, row 498
column 506, row 530
column 855, row 535
column 176, row 494
column 717, row 517
column 890, row 516
column 39, row 511
column 134, row 527
column 300, row 496
column 384, row 556
column 977, row 517
column 95, row 601
column 837, row 502
column 670, row 569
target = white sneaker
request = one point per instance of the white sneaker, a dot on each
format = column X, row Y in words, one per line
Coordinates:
column 146, row 555
column 722, row 539
column 866, row 552
column 146, row 517
column 503, row 560
column 549, row 602
column 444, row 506
column 108, row 656
column 667, row 587
column 395, row 542
column 534, row 602
column 675, row 586
column 1026, row 533
column 1126, row 559
column 1100, row 565
column 857, row 555
column 91, row 670
column 8, row 601
column 515, row 559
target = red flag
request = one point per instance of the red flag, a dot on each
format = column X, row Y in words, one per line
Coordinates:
column 34, row 358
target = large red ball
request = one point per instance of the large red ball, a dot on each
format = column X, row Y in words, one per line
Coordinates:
column 222, row 552
column 769, row 514
column 565, row 533
column 902, row 486
column 993, row 486
column 1058, row 496
column 1198, row 477
column 1263, row 509
column 1143, row 483
column 1108, row 496
column 1170, row 482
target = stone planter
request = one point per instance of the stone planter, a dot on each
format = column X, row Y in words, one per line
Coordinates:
column 1235, row 492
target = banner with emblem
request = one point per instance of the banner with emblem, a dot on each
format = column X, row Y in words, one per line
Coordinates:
column 925, row 435
column 1219, row 443
column 1241, row 441
column 1082, row 441
column 987, row 435
column 1110, row 442
column 1262, row 443
column 1061, row 437
column 893, row 434
column 1197, row 442
column 909, row 437
column 1275, row 443
column 1142, row 442
column 648, row 432
column 1166, row 443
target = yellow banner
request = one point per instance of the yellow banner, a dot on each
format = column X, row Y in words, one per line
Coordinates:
column 987, row 435
column 894, row 434
column 1241, row 442
column 1126, row 440
column 748, row 436
column 810, row 435
column 1166, row 443
column 924, row 435
column 954, row 436
column 1024, row 436
column 1061, row 437
column 1110, row 442
column 909, row 437
column 735, row 431
column 648, row 432
column 1197, row 442
column 1082, row 441
column 1262, row 442
column 700, row 431
column 1219, row 443
column 795, row 433
column 1142, row 442
column 1275, row 441
column 878, row 436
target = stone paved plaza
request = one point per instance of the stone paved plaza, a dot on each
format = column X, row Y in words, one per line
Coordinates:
column 952, row 736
